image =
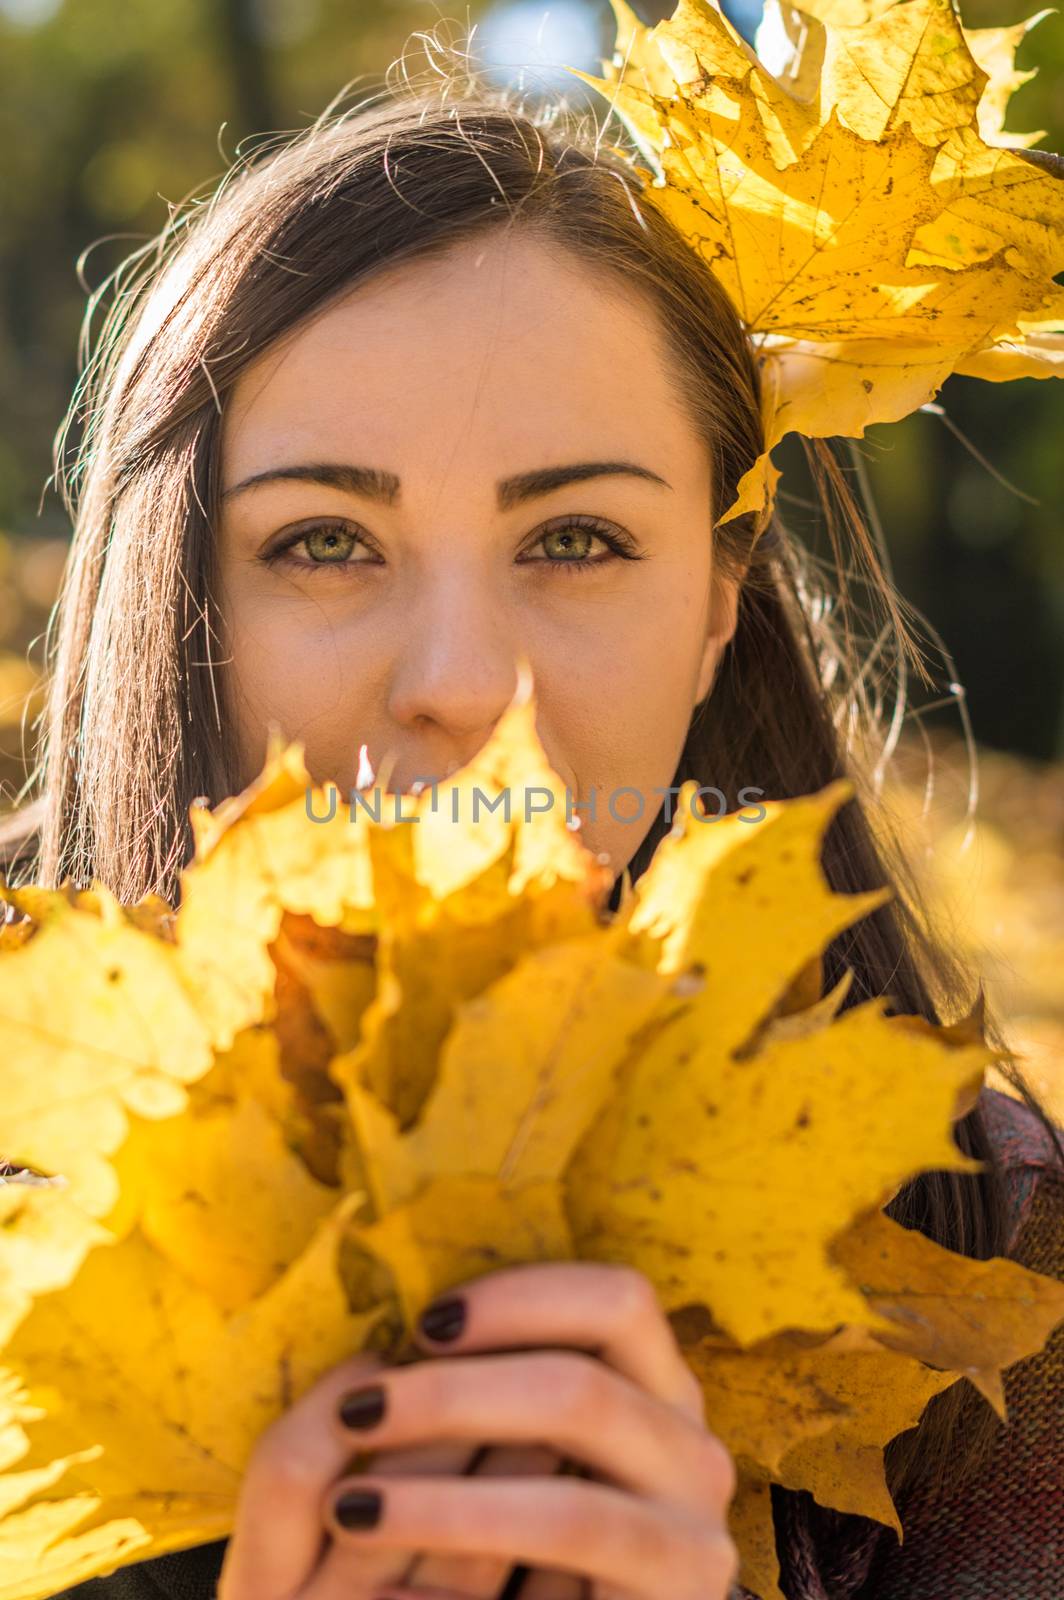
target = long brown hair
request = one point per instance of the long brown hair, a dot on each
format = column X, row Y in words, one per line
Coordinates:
column 136, row 723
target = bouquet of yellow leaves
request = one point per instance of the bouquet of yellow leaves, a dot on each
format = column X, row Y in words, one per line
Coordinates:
column 381, row 1047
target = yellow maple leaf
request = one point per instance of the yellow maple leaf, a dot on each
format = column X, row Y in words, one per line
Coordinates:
column 695, row 1086
column 995, row 50
column 809, row 1416
column 752, row 1527
column 560, row 1020
column 151, row 1415
column 234, row 890
column 878, row 1397
column 870, row 238
column 795, row 44
column 116, row 1034
column 943, row 1304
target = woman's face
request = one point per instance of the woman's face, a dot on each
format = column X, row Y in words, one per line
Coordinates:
column 467, row 432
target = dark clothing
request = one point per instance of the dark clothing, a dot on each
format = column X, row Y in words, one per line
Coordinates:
column 185, row 1575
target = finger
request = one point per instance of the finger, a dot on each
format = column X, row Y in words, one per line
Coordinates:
column 445, row 1456
column 405, row 1593
column 482, row 1577
column 567, row 1400
column 545, row 1584
column 611, row 1310
column 421, row 1594
column 384, row 1567
column 393, row 1593
column 276, row 1538
column 539, row 1585
column 365, row 1570
column 639, row 1547
column 355, row 1574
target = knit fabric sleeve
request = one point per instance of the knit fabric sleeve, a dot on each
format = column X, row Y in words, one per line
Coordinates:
column 184, row 1575
column 997, row 1531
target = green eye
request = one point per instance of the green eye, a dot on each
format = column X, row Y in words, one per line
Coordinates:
column 569, row 543
column 329, row 546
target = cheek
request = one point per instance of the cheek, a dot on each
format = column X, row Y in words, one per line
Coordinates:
column 637, row 685
column 622, row 723
column 622, row 709
column 288, row 670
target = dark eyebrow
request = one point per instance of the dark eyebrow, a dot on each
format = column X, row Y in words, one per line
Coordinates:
column 384, row 487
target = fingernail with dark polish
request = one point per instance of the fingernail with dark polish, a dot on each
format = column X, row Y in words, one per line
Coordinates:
column 443, row 1320
column 362, row 1408
column 358, row 1508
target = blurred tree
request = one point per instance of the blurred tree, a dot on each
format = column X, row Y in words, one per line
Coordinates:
column 242, row 32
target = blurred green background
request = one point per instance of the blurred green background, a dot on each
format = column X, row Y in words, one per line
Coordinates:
column 112, row 113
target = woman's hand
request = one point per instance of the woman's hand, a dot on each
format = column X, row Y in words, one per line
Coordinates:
column 650, row 1518
column 278, row 1523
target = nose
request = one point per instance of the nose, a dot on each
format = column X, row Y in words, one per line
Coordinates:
column 456, row 666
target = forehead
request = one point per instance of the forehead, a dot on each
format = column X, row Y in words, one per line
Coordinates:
column 505, row 350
